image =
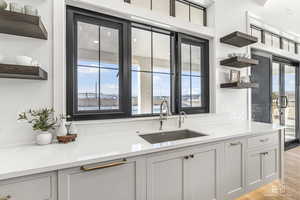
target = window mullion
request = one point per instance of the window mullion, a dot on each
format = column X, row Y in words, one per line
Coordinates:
column 99, row 86
column 151, row 71
column 191, row 76
column 189, row 12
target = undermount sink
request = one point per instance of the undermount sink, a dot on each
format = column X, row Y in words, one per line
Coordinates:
column 160, row 137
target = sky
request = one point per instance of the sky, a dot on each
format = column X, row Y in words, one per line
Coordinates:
column 289, row 83
column 88, row 77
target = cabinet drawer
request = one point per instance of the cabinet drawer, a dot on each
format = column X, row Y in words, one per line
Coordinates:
column 115, row 180
column 260, row 141
column 35, row 187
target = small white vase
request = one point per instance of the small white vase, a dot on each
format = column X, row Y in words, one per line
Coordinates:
column 61, row 130
column 43, row 138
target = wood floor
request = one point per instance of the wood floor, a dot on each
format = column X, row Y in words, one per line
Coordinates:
column 290, row 190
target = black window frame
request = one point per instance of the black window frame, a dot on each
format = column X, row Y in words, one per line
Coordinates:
column 153, row 29
column 172, row 8
column 281, row 38
column 262, row 39
column 73, row 14
column 190, row 4
column 205, row 97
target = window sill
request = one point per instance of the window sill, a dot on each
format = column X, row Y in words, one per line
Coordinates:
column 135, row 119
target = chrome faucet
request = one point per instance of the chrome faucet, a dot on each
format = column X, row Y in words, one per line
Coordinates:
column 164, row 112
column 182, row 116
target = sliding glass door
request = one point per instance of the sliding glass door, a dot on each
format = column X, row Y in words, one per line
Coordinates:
column 284, row 97
column 277, row 98
column 289, row 113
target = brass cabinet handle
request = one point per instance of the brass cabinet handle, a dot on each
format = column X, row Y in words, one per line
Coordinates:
column 265, row 140
column 235, row 144
column 265, row 153
column 5, row 198
column 114, row 164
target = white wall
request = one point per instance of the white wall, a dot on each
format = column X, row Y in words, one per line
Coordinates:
column 18, row 95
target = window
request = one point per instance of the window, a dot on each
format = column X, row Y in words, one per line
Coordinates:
column 97, row 66
column 193, row 75
column 197, row 15
column 276, row 41
column 118, row 69
column 161, row 6
column 288, row 45
column 268, row 39
column 151, row 70
column 193, row 13
column 292, row 47
column 273, row 40
column 256, row 32
column 181, row 9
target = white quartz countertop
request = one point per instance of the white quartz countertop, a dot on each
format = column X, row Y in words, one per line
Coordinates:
column 98, row 147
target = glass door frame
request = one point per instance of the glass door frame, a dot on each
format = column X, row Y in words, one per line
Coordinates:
column 282, row 63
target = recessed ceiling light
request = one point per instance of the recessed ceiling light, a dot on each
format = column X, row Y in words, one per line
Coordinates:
column 96, row 42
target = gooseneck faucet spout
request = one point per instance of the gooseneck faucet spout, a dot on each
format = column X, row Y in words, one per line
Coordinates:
column 164, row 113
column 182, row 116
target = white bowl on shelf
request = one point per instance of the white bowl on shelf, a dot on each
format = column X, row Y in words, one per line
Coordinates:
column 23, row 60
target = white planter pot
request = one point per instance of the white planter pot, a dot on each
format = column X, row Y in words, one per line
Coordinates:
column 43, row 138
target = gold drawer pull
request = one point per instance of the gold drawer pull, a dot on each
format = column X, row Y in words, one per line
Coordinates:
column 83, row 168
column 5, row 198
column 265, row 140
column 265, row 153
column 235, row 144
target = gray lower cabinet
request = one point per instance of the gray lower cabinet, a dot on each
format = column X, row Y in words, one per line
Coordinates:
column 110, row 181
column 270, row 165
column 35, row 187
column 222, row 171
column 234, row 169
column 184, row 175
column 262, row 167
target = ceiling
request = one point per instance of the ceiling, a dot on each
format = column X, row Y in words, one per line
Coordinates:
column 283, row 14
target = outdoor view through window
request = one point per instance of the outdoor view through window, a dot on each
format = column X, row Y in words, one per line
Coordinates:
column 98, row 67
column 151, row 70
column 152, row 73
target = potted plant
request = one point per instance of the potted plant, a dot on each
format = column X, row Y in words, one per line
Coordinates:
column 42, row 121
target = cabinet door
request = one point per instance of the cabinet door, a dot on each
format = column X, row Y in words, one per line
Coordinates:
column 34, row 187
column 201, row 174
column 165, row 176
column 115, row 181
column 270, row 165
column 234, row 169
column 254, row 173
